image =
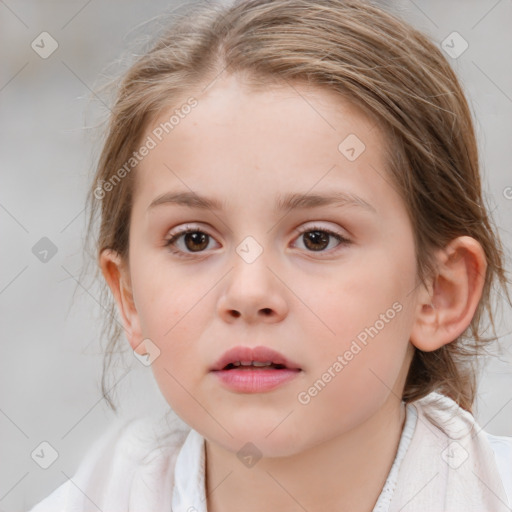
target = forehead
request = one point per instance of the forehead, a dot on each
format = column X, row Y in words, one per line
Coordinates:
column 285, row 135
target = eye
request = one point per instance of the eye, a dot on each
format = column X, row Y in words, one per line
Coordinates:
column 194, row 239
column 317, row 238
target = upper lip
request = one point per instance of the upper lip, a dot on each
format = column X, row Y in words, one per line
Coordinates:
column 261, row 354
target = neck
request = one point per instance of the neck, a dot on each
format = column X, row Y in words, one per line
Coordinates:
column 345, row 473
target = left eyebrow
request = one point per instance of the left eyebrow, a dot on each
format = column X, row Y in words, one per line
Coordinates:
column 292, row 201
column 336, row 198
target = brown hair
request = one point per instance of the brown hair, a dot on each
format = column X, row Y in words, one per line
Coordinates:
column 371, row 58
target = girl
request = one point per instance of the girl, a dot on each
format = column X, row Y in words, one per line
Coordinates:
column 293, row 232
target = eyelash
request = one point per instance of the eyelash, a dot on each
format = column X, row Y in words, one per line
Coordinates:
column 170, row 241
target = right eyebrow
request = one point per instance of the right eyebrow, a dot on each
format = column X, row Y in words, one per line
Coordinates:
column 190, row 199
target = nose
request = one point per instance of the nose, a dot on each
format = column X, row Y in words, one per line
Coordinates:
column 254, row 291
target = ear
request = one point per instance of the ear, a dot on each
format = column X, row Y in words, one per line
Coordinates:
column 447, row 308
column 117, row 275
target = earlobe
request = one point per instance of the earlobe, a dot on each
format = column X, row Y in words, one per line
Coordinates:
column 447, row 308
column 117, row 275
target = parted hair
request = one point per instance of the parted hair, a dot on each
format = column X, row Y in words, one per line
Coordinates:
column 371, row 58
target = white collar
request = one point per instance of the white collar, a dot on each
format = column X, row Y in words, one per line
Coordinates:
column 189, row 492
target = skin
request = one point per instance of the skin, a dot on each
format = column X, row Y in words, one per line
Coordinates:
column 244, row 148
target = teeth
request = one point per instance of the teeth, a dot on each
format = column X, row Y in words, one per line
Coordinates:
column 252, row 363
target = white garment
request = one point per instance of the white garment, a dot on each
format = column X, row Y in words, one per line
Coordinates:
column 444, row 462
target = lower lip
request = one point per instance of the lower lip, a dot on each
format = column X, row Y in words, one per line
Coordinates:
column 255, row 380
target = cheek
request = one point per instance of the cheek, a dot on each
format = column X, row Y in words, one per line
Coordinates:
column 363, row 315
column 164, row 297
column 352, row 302
column 168, row 317
column 176, row 369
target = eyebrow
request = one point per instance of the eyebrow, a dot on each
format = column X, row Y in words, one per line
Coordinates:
column 292, row 201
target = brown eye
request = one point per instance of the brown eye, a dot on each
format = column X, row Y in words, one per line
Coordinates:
column 316, row 239
column 194, row 241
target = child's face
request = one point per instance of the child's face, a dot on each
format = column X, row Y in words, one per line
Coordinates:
column 246, row 150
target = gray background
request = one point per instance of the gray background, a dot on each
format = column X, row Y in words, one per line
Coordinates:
column 51, row 361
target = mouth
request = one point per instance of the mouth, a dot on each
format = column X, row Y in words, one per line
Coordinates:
column 260, row 369
column 253, row 359
column 254, row 365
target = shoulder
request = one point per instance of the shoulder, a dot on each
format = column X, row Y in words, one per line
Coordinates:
column 502, row 448
column 458, row 424
column 129, row 453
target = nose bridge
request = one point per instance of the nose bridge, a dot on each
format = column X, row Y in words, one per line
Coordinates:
column 253, row 236
column 252, row 288
column 251, row 261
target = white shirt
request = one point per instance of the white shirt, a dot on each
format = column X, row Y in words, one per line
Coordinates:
column 146, row 465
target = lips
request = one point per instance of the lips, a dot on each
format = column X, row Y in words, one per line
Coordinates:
column 259, row 355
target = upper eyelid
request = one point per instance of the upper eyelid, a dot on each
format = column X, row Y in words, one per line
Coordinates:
column 193, row 227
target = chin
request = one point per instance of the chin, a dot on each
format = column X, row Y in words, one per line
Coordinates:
column 261, row 440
